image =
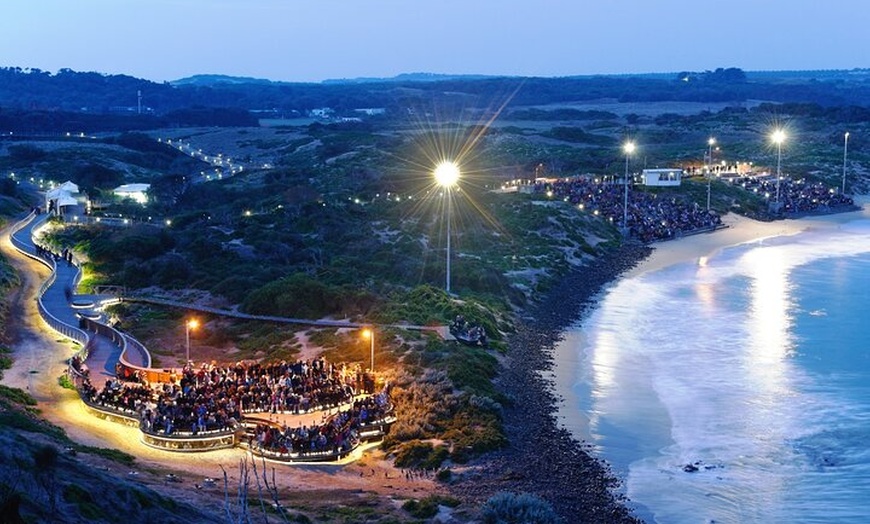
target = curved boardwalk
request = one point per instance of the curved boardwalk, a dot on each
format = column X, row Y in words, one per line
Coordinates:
column 104, row 351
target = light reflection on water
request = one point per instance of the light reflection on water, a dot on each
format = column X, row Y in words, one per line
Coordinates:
column 708, row 363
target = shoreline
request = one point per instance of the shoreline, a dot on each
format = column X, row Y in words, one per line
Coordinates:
column 543, row 458
column 566, row 361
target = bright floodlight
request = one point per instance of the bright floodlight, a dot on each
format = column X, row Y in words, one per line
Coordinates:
column 628, row 147
column 446, row 173
column 778, row 136
column 711, row 141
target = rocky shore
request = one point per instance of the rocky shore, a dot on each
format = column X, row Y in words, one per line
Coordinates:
column 542, row 458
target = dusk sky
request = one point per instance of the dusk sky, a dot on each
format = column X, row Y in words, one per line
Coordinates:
column 304, row 40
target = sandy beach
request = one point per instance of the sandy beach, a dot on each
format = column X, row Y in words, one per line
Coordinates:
column 740, row 230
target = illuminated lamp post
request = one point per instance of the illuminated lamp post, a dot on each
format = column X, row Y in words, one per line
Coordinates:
column 778, row 137
column 369, row 333
column 629, row 149
column 446, row 175
column 710, row 143
column 845, row 151
column 191, row 324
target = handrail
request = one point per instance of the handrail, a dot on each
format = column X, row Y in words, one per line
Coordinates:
column 71, row 332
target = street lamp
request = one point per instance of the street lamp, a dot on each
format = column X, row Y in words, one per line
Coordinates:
column 710, row 143
column 369, row 333
column 629, row 149
column 778, row 137
column 845, row 151
column 446, row 175
column 189, row 325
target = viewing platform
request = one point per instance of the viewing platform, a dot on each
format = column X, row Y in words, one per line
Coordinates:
column 106, row 354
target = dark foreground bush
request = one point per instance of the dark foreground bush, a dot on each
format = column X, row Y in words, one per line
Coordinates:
column 523, row 508
column 426, row 508
column 417, row 454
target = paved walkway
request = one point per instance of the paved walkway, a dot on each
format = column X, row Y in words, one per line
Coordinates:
column 61, row 302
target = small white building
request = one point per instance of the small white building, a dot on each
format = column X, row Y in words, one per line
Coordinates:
column 136, row 192
column 63, row 199
column 662, row 177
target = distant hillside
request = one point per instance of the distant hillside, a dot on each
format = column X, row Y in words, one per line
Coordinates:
column 407, row 77
column 212, row 80
column 32, row 99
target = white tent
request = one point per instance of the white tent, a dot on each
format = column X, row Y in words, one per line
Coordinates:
column 61, row 196
column 69, row 187
column 55, row 193
column 138, row 192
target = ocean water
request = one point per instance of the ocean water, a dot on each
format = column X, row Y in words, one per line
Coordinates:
column 753, row 365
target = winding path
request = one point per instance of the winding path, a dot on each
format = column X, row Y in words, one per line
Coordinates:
column 107, row 352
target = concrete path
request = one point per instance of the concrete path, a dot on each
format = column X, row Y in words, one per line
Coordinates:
column 62, row 302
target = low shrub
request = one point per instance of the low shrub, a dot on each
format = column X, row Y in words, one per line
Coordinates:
column 66, row 382
column 17, row 396
column 423, row 455
column 512, row 508
column 427, row 508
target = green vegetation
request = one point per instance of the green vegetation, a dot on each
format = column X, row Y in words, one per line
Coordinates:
column 21, row 420
column 5, row 359
column 83, row 499
column 14, row 395
column 444, row 475
column 420, row 455
column 427, row 507
column 66, row 382
column 8, row 280
column 114, row 455
column 508, row 508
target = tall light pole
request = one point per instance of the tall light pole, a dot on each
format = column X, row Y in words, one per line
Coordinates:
column 446, row 175
column 629, row 149
column 369, row 333
column 710, row 143
column 190, row 324
column 778, row 138
column 845, row 151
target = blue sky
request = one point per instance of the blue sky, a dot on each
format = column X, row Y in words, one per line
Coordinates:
column 303, row 40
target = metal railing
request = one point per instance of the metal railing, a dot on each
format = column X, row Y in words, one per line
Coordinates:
column 71, row 332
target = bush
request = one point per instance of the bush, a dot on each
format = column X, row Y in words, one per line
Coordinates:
column 118, row 456
column 428, row 507
column 76, row 494
column 17, row 396
column 297, row 296
column 5, row 359
column 523, row 508
column 66, row 382
column 417, row 454
column 45, row 458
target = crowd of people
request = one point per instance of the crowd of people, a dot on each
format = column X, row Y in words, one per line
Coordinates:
column 797, row 196
column 66, row 254
column 650, row 217
column 340, row 433
column 212, row 398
